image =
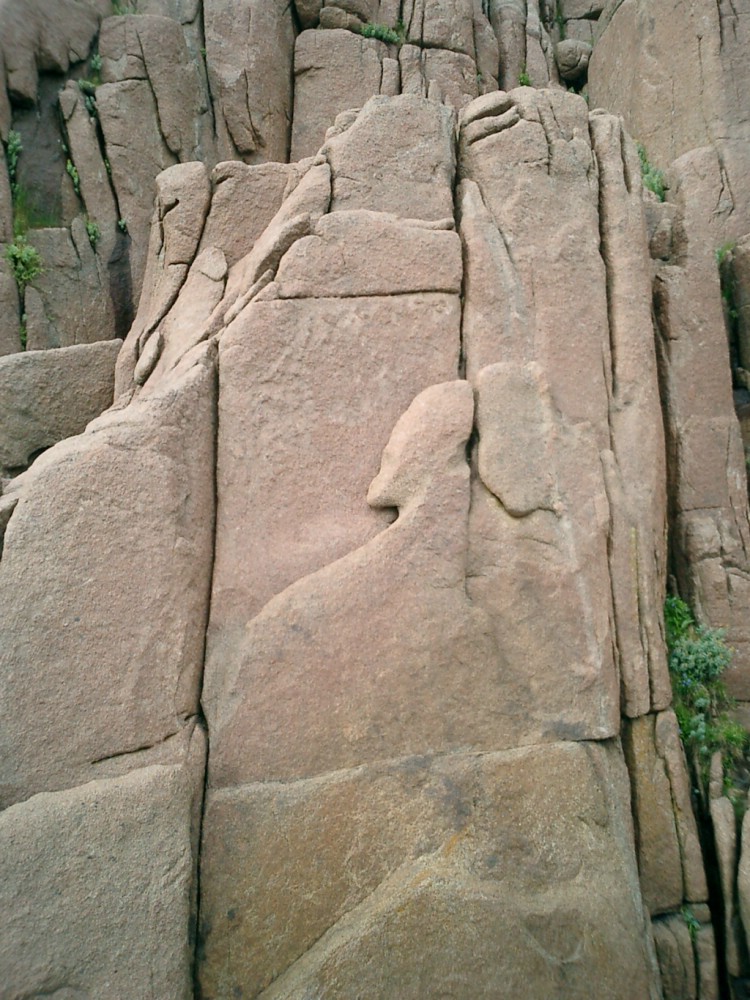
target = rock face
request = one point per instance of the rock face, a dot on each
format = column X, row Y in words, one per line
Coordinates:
column 332, row 656
column 46, row 396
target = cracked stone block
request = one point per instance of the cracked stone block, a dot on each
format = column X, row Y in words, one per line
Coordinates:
column 46, row 396
column 400, row 878
column 333, row 71
column 98, row 886
column 249, row 55
column 129, row 504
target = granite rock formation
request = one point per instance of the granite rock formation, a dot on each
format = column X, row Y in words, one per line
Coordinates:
column 356, row 411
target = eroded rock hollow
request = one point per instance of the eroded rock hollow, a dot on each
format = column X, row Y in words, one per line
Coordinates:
column 332, row 650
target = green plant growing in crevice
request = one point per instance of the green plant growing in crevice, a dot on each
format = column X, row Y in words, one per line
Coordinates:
column 691, row 922
column 71, row 171
column 560, row 21
column 93, row 232
column 524, row 80
column 122, row 225
column 26, row 212
column 25, row 262
column 13, row 150
column 391, row 36
column 698, row 659
column 653, row 178
column 724, row 262
column 88, row 89
column 724, row 253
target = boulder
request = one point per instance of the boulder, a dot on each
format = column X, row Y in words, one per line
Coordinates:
column 572, row 57
column 46, row 396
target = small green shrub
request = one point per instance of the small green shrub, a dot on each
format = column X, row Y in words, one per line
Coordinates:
column 653, row 178
column 382, row 32
column 691, row 921
column 93, row 232
column 96, row 64
column 724, row 253
column 524, row 80
column 89, row 102
column 122, row 225
column 698, row 659
column 25, row 262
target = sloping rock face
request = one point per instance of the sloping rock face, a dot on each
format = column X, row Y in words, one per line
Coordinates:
column 331, row 647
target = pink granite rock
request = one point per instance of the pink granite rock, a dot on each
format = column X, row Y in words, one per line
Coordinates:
column 399, row 879
column 130, row 507
column 249, row 52
column 397, row 156
column 278, row 455
column 98, row 885
column 46, row 396
column 711, row 532
column 333, row 71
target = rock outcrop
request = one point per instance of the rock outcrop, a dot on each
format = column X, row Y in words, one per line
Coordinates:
column 331, row 638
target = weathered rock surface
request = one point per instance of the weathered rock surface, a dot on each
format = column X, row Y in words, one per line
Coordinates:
column 249, row 53
column 638, row 57
column 10, row 332
column 676, row 956
column 333, row 71
column 142, row 537
column 98, row 886
column 711, row 533
column 515, row 309
column 669, row 855
column 46, row 396
column 405, row 846
column 35, row 35
column 398, row 157
column 414, row 677
column 69, row 302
